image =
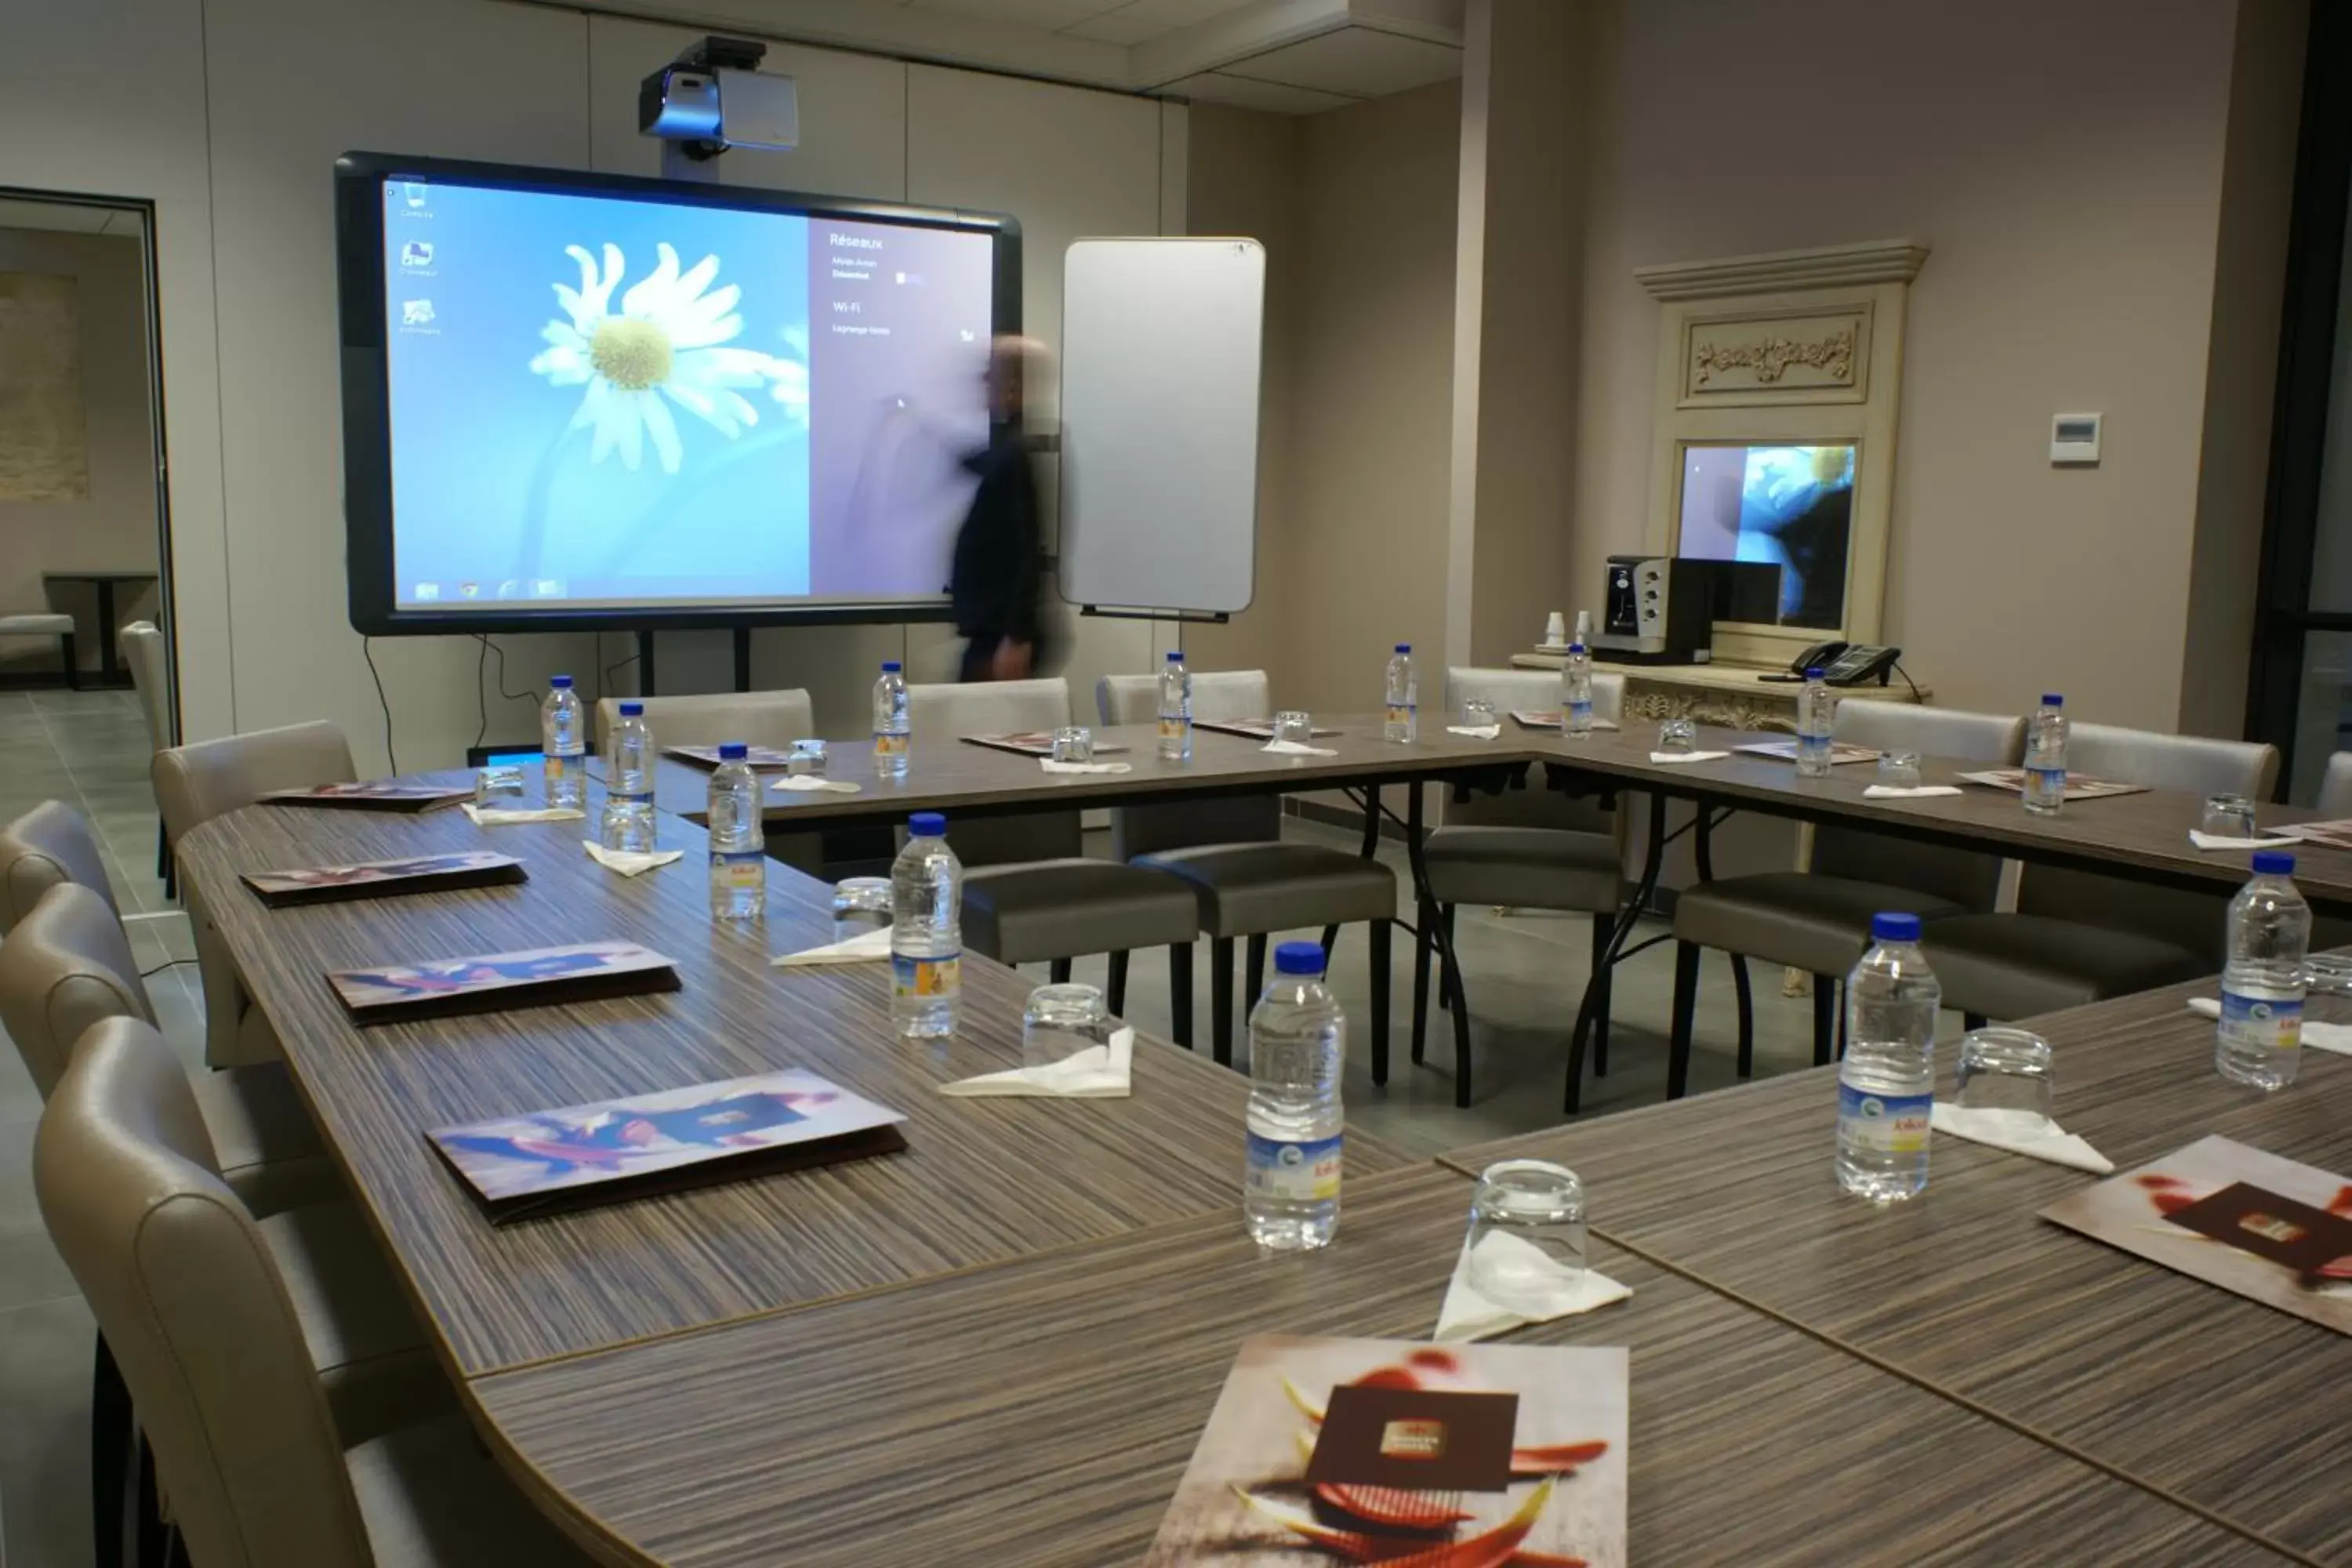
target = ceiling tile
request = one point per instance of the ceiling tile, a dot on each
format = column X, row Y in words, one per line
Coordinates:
column 1137, row 21
column 1271, row 98
column 1357, row 61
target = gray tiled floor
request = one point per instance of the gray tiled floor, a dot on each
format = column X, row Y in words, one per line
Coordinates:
column 1526, row 975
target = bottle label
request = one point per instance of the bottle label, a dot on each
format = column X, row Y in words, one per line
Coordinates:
column 2260, row 1023
column 918, row 977
column 1173, row 725
column 1294, row 1173
column 889, row 745
column 2048, row 782
column 554, row 766
column 1883, row 1123
column 1401, row 712
column 743, row 869
column 629, row 797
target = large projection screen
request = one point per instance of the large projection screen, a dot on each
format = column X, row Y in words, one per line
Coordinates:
column 579, row 401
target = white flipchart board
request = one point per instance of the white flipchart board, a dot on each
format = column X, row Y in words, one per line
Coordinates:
column 1161, row 342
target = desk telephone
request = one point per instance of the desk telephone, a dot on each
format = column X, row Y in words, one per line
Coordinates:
column 1842, row 663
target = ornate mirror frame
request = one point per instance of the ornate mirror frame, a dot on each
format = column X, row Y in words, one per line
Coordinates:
column 1796, row 348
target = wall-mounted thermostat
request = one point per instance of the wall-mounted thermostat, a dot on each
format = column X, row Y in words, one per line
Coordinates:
column 2074, row 437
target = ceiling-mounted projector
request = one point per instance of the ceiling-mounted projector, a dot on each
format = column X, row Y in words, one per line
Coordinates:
column 714, row 96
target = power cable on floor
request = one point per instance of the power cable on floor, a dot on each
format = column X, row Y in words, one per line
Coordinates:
column 367, row 649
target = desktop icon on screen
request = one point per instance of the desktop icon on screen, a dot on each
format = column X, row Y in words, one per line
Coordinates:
column 417, row 253
column 412, row 191
column 427, row 591
column 416, row 312
column 469, row 589
column 547, row 587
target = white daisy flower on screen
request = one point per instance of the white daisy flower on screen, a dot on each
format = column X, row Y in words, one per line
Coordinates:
column 666, row 341
column 791, row 387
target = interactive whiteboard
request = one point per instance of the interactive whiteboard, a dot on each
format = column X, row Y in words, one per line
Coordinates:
column 1160, row 342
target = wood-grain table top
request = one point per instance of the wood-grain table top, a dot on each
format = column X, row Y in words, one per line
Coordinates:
column 2180, row 1384
column 1041, row 1412
column 981, row 1182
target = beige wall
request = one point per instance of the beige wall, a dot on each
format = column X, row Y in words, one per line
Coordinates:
column 2064, row 159
column 115, row 527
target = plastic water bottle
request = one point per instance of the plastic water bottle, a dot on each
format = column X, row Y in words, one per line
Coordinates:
column 739, row 848
column 1888, row 1082
column 892, row 728
column 2258, row 1040
column 629, row 782
column 1576, row 691
column 563, row 742
column 1403, row 722
column 1290, row 1190
column 1175, row 709
column 926, row 931
column 1816, row 719
column 2045, row 758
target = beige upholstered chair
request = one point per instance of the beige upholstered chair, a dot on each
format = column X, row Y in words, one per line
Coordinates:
column 1249, row 883
column 1031, row 893
column 2078, row 936
column 1528, row 847
column 2336, row 789
column 145, row 655
column 194, row 784
column 47, row 626
column 774, row 719
column 263, row 1464
column 48, row 845
column 1819, row 919
column 68, row 965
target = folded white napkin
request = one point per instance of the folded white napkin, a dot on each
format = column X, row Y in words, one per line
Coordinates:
column 1296, row 749
column 629, row 862
column 1541, row 1289
column 863, row 948
column 1689, row 756
column 495, row 816
column 1908, row 792
column 2231, row 841
column 1098, row 1072
column 1051, row 766
column 2319, row 1037
column 2019, row 1132
column 1475, row 731
column 809, row 783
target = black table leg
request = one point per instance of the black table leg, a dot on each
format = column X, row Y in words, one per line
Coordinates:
column 110, row 667
column 1652, row 863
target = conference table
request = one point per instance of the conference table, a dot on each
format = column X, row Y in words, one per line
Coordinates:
column 1000, row 1345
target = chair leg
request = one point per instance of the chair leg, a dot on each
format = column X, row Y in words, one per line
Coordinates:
column 1424, row 940
column 1116, row 992
column 1452, row 973
column 1678, row 1046
column 1974, row 1020
column 1841, row 1024
column 112, row 1431
column 1445, row 975
column 1747, row 1016
column 1220, row 1000
column 1331, row 941
column 1180, row 992
column 1824, row 1018
column 1379, row 933
column 1604, row 928
column 1254, row 971
column 1059, row 970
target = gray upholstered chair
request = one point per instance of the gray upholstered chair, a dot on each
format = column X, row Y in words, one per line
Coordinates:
column 47, row 626
column 68, row 965
column 1030, row 894
column 2336, row 789
column 149, row 660
column 772, row 718
column 211, row 1320
column 1528, row 847
column 48, row 845
column 1249, row 883
column 2078, row 936
column 194, row 784
column 1819, row 919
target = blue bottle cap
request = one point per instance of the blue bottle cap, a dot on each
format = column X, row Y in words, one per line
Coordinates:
column 1404, row 648
column 733, row 751
column 633, row 709
column 2273, row 863
column 890, row 665
column 1812, row 672
column 560, row 683
column 2051, row 699
column 1893, row 927
column 1174, row 656
column 1298, row 958
column 1576, row 647
column 927, row 824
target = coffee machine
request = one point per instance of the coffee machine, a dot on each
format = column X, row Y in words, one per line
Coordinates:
column 1662, row 609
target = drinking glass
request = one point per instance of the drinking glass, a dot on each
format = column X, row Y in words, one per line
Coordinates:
column 1061, row 1021
column 2008, row 1071
column 492, row 783
column 2229, row 817
column 1478, row 713
column 1678, row 737
column 860, row 904
column 1292, row 725
column 1527, row 1234
column 1074, row 743
column 807, row 759
column 1899, row 769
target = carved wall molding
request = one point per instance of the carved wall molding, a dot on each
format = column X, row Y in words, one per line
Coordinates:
column 1831, row 266
column 1769, row 358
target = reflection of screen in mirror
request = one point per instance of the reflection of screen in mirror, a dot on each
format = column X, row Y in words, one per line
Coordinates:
column 1791, row 507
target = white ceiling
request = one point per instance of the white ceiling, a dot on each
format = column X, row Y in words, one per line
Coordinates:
column 70, row 218
column 1104, row 21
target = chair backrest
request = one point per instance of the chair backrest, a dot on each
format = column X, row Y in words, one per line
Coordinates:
column 141, row 644
column 774, row 719
column 1528, row 804
column 2193, row 764
column 66, row 966
column 2335, row 786
column 942, row 714
column 1217, row 695
column 1525, row 689
column 196, row 783
column 1968, row 879
column 48, row 845
column 194, row 1312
